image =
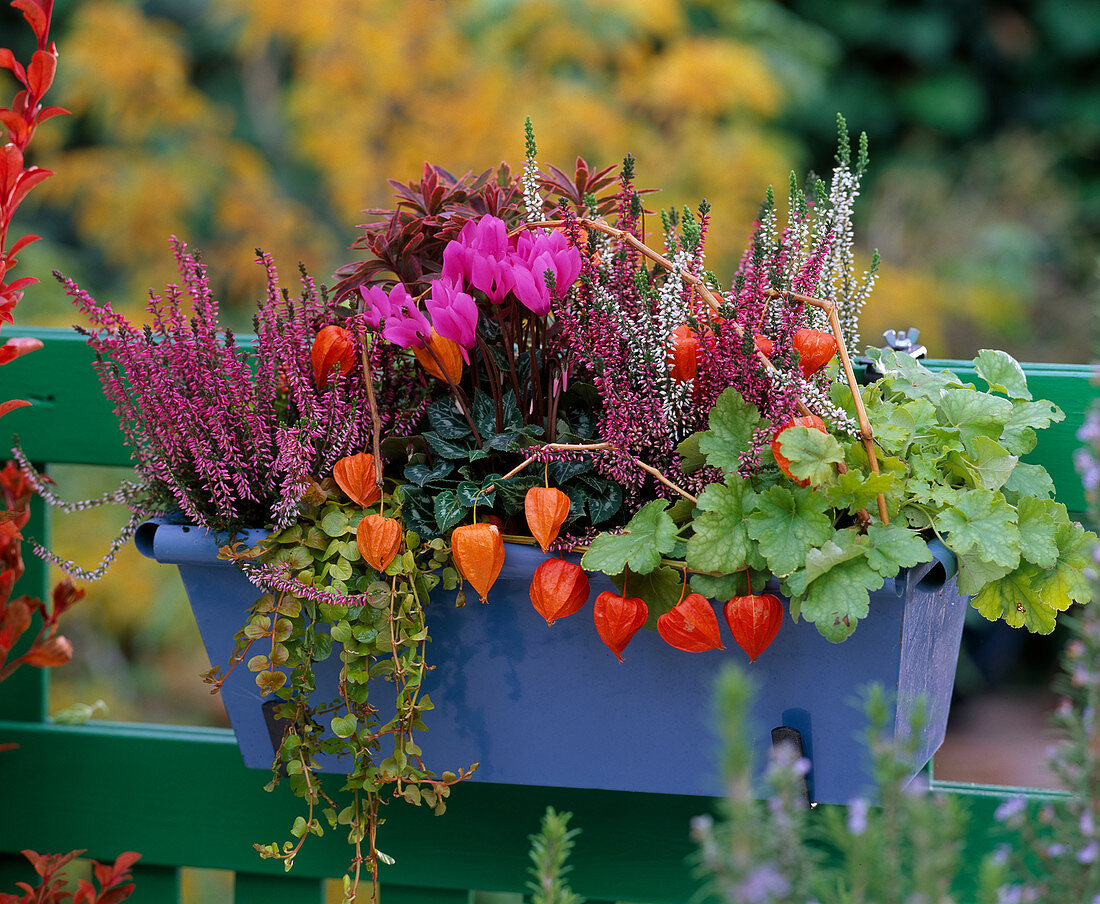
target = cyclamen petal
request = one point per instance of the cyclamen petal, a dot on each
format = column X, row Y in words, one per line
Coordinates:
column 454, row 314
column 406, row 324
column 531, row 289
column 376, row 305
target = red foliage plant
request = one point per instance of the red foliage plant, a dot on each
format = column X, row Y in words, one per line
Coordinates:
column 114, row 881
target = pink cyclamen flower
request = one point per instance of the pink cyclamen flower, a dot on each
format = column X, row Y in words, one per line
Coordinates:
column 402, row 323
column 481, row 256
column 454, row 314
column 533, row 257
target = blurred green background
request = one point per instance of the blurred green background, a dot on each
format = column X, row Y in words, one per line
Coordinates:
column 244, row 123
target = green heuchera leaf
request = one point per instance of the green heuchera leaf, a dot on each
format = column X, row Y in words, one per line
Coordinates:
column 1002, row 373
column 726, row 586
column 1028, row 480
column 1019, row 433
column 981, row 521
column 732, row 424
column 1038, row 521
column 649, row 535
column 894, row 547
column 854, row 490
column 975, row 413
column 838, row 594
column 660, row 589
column 905, row 374
column 721, row 538
column 691, row 458
column 1032, row 596
column 812, row 453
column 987, row 465
column 787, row 524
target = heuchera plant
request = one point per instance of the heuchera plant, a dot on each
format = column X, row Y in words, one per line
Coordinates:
column 514, row 362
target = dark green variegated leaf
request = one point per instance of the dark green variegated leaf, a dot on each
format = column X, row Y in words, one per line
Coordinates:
column 422, row 474
column 448, row 510
column 485, row 414
column 448, row 448
column 787, row 524
column 605, row 498
column 469, row 494
column 513, row 418
column 648, row 536
column 1003, row 374
column 733, row 421
column 447, row 420
column 981, row 521
column 561, row 471
column 721, row 539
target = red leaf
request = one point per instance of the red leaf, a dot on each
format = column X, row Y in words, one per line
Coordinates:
column 85, row 892
column 40, row 72
column 18, row 346
column 11, row 405
column 50, row 113
column 19, row 246
column 8, row 61
column 18, row 285
column 16, row 124
column 126, row 860
column 11, row 168
column 118, row 894
column 28, row 180
column 65, row 595
column 17, row 618
column 35, row 16
column 54, row 652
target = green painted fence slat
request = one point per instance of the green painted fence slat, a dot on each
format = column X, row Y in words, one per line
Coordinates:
column 155, row 884
column 407, row 894
column 249, row 888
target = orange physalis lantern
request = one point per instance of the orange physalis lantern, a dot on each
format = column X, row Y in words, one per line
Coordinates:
column 683, row 353
column 815, row 349
column 478, row 552
column 546, row 509
column 333, row 348
column 449, row 354
column 763, row 344
column 754, row 621
column 618, row 619
column 355, row 475
column 379, row 540
column 558, row 588
column 780, row 459
column 691, row 625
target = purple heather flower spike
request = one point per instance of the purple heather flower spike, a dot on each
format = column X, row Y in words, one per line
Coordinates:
column 454, row 314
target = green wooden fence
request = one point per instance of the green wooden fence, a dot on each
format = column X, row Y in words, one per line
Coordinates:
column 181, row 797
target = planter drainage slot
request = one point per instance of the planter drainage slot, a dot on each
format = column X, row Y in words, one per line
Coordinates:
column 792, row 737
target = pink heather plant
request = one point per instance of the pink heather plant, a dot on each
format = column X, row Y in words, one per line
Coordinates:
column 227, row 437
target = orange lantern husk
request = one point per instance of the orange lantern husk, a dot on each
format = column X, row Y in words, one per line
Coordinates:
column 618, row 619
column 815, row 349
column 449, row 354
column 683, row 353
column 558, row 589
column 691, row 625
column 379, row 540
column 333, row 347
column 546, row 509
column 355, row 475
column 754, row 621
column 478, row 553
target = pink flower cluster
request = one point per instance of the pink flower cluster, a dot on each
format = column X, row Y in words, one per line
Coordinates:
column 483, row 256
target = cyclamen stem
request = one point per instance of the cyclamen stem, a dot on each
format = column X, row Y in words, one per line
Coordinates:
column 375, row 421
